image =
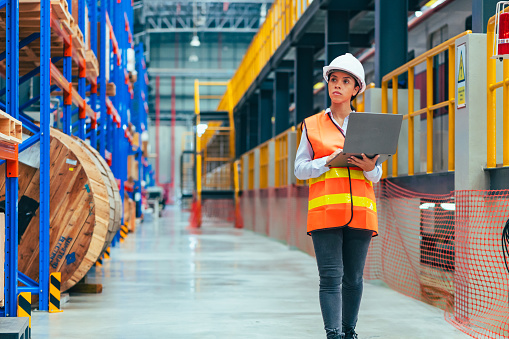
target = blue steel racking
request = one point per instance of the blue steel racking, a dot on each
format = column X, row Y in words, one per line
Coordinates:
column 139, row 118
column 101, row 120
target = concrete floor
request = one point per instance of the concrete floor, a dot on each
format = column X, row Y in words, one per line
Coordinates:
column 165, row 282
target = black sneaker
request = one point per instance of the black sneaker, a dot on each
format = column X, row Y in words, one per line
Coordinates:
column 351, row 334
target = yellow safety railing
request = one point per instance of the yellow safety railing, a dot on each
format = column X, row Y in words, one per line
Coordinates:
column 360, row 100
column 240, row 169
column 250, row 170
column 409, row 68
column 264, row 165
column 237, row 178
column 215, row 177
column 280, row 20
column 492, row 84
column 281, row 155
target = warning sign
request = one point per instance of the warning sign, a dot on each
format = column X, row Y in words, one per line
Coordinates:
column 461, row 70
column 461, row 74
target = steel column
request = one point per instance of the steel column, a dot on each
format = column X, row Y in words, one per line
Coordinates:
column 281, row 102
column 482, row 11
column 252, row 125
column 11, row 194
column 304, row 65
column 92, row 16
column 102, row 78
column 391, row 36
column 242, row 131
column 67, row 72
column 82, row 75
column 264, row 115
column 337, row 39
column 44, row 170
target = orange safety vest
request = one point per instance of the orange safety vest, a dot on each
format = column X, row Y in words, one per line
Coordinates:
column 330, row 203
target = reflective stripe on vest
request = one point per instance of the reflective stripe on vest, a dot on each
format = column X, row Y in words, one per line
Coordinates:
column 330, row 202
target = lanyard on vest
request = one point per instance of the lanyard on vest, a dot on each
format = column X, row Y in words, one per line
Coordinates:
column 349, row 176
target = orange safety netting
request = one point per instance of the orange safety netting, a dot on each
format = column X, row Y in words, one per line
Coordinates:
column 446, row 250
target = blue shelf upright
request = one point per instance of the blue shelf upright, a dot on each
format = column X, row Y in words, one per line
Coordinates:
column 11, row 196
column 92, row 16
column 139, row 118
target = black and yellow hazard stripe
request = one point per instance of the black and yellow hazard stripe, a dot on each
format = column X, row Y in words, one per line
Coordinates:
column 99, row 262
column 54, row 292
column 123, row 232
column 25, row 309
column 107, row 253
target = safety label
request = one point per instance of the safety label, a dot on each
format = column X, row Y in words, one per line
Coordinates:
column 461, row 76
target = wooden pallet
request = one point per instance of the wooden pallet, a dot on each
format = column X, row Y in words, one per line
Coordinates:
column 30, row 23
column 61, row 10
column 11, row 130
column 437, row 286
column 2, row 257
column 92, row 63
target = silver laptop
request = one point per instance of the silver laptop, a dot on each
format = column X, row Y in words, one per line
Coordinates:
column 372, row 134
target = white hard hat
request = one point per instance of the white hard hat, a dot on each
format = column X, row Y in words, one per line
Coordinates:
column 349, row 64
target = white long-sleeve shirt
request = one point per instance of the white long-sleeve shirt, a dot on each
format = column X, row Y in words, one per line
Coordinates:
column 307, row 168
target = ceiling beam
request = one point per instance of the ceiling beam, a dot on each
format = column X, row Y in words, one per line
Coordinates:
column 230, row 2
column 205, row 30
column 348, row 5
column 207, row 73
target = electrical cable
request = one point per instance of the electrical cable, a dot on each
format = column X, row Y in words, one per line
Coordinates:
column 505, row 244
column 351, row 197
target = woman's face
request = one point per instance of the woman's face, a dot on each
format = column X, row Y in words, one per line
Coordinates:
column 341, row 87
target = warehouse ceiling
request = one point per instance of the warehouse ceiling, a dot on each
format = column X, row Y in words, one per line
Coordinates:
column 158, row 16
column 181, row 37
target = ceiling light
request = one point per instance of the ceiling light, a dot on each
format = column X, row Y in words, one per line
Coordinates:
column 195, row 42
column 193, row 58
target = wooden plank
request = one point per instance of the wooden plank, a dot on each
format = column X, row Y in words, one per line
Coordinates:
column 2, row 258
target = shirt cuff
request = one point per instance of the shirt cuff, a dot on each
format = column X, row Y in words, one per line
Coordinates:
column 371, row 174
column 319, row 164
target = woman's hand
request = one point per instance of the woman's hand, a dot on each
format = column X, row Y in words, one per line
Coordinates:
column 333, row 155
column 366, row 164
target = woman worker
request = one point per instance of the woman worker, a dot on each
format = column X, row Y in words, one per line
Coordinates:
column 342, row 215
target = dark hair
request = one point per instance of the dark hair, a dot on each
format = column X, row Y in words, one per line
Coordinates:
column 354, row 96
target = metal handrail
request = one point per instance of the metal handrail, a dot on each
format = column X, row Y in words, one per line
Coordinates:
column 491, row 113
column 409, row 68
column 280, row 20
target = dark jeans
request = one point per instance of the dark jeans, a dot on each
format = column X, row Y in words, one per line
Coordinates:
column 340, row 255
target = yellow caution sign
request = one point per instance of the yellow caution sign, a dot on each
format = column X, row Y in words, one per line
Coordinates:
column 461, row 82
column 54, row 292
column 25, row 308
column 461, row 69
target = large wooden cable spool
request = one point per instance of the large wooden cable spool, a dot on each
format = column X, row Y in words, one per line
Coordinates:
column 113, row 192
column 84, row 211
